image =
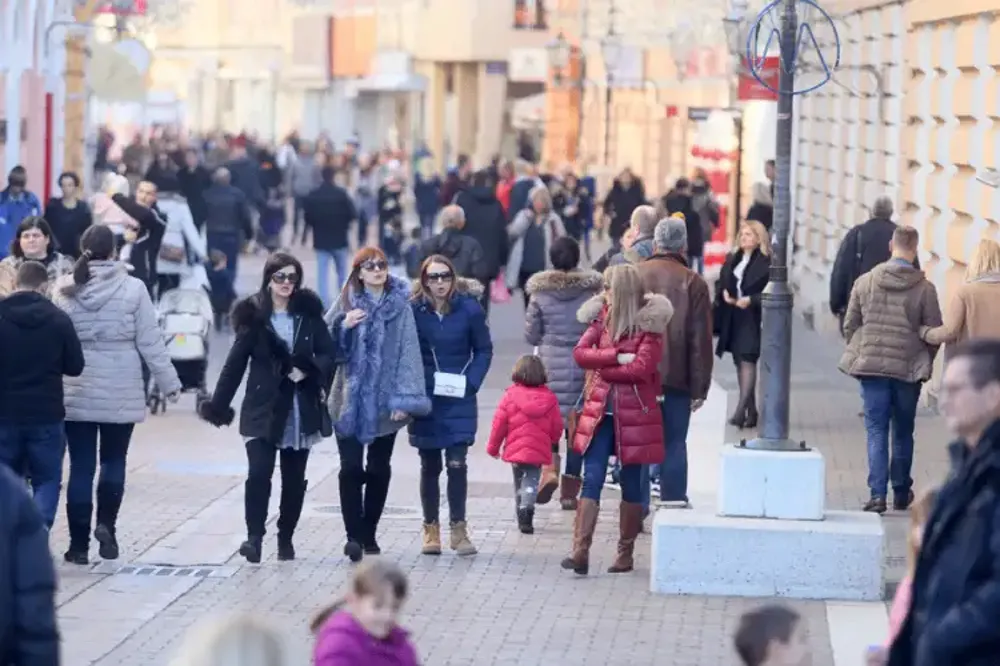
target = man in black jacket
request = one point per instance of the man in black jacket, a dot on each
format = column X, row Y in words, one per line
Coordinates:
column 864, row 247
column 228, row 221
column 28, row 632
column 40, row 346
column 485, row 221
column 953, row 615
column 329, row 212
column 145, row 245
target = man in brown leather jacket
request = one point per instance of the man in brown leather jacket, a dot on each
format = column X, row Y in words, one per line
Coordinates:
column 686, row 366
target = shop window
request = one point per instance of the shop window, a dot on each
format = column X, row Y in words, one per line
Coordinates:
column 530, row 15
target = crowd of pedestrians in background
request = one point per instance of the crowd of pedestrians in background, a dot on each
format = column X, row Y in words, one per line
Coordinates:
column 623, row 355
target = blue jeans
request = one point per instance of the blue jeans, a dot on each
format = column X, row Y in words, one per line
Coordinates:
column 595, row 466
column 340, row 259
column 85, row 454
column 37, row 450
column 574, row 461
column 427, row 225
column 889, row 402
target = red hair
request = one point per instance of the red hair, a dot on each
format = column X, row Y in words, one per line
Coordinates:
column 363, row 255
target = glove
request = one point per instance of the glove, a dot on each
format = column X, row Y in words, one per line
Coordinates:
column 208, row 412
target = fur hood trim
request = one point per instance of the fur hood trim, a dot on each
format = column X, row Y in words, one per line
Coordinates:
column 553, row 280
column 653, row 317
column 463, row 287
column 249, row 312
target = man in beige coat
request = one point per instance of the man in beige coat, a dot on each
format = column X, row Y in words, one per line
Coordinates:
column 888, row 307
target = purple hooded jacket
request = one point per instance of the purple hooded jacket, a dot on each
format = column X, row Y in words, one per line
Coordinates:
column 344, row 642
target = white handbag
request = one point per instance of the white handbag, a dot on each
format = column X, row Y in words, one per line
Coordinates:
column 449, row 384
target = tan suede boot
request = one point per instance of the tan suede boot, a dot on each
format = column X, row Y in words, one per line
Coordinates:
column 460, row 542
column 629, row 525
column 432, row 539
column 549, row 482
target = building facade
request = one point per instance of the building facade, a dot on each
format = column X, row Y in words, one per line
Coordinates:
column 32, row 59
column 914, row 119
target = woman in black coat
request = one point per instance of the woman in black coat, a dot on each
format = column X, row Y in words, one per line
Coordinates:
column 738, row 313
column 292, row 356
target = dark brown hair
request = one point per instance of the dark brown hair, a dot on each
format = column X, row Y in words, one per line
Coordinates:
column 96, row 244
column 529, row 371
column 371, row 577
column 365, row 254
column 424, row 293
column 760, row 628
column 30, row 222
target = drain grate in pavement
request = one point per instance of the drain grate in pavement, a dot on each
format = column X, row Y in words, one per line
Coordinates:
column 164, row 570
column 388, row 511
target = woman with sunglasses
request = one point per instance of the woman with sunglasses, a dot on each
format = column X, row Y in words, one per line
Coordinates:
column 281, row 335
column 457, row 350
column 379, row 390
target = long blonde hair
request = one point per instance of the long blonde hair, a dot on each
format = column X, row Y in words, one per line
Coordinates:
column 760, row 231
column 986, row 259
column 626, row 296
column 236, row 640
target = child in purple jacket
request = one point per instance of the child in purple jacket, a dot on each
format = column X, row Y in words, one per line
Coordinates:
column 362, row 628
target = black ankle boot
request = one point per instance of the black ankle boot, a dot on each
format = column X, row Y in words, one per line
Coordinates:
column 286, row 551
column 251, row 549
column 751, row 418
column 78, row 521
column 526, row 521
column 109, row 502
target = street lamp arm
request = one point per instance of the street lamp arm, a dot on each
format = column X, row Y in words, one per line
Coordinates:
column 880, row 92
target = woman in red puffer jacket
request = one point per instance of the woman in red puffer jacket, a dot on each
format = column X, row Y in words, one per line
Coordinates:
column 620, row 414
column 527, row 423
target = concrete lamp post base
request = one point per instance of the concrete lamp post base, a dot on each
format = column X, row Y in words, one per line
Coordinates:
column 769, row 535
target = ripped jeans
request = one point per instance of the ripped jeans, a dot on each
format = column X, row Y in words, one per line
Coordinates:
column 432, row 461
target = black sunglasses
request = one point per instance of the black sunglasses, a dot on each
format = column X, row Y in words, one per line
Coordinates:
column 282, row 278
column 439, row 277
column 375, row 265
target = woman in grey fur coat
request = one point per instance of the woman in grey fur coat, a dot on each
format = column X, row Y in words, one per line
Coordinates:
column 377, row 392
column 116, row 322
column 552, row 327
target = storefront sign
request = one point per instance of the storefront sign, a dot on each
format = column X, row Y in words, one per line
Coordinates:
column 527, row 66
column 752, row 89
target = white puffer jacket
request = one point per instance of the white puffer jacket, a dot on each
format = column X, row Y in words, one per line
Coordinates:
column 116, row 322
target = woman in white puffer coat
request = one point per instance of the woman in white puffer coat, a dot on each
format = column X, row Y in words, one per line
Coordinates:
column 116, row 322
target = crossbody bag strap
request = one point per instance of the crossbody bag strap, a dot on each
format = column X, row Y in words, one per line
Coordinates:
column 437, row 367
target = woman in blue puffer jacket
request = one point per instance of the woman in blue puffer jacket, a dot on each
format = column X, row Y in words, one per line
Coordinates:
column 457, row 350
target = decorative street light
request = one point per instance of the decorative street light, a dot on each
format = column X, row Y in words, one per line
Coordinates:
column 560, row 53
column 611, row 51
column 736, row 25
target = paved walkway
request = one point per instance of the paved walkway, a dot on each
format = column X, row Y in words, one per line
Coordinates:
column 182, row 523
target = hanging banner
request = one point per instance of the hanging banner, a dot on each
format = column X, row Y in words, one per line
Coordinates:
column 752, row 89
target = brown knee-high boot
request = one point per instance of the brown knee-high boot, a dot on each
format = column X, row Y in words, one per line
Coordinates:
column 629, row 526
column 569, row 489
column 583, row 537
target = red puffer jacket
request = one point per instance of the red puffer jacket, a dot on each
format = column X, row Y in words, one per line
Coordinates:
column 528, row 418
column 633, row 388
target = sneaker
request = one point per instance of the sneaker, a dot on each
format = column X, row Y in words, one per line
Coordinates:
column 673, row 504
column 875, row 505
column 902, row 503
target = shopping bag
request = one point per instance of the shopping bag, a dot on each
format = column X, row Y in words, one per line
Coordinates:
column 498, row 290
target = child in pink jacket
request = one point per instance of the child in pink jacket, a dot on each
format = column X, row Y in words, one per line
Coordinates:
column 363, row 628
column 526, row 424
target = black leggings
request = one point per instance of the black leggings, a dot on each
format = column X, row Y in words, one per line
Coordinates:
column 364, row 485
column 261, row 456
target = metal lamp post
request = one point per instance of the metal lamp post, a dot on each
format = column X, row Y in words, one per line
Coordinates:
column 611, row 51
column 777, row 301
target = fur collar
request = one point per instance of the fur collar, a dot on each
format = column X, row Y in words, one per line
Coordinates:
column 653, row 317
column 464, row 287
column 249, row 312
column 553, row 280
column 395, row 298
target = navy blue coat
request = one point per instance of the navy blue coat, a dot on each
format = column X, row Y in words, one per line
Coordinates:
column 28, row 633
column 953, row 618
column 460, row 337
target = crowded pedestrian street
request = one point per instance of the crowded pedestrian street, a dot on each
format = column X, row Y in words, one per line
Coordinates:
column 510, row 604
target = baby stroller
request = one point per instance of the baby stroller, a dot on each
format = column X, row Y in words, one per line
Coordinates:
column 185, row 315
